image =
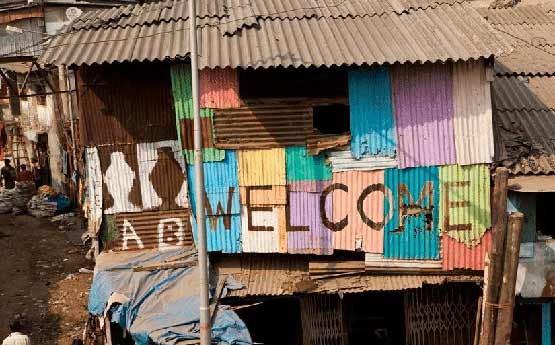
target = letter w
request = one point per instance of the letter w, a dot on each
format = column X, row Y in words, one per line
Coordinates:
column 213, row 217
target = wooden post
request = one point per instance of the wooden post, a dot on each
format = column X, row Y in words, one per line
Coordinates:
column 507, row 293
column 495, row 268
column 478, row 321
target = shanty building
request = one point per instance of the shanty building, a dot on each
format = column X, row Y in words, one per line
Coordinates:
column 347, row 149
column 524, row 117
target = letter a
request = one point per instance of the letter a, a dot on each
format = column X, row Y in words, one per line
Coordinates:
column 131, row 236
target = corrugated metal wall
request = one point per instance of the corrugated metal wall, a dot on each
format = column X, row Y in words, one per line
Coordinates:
column 371, row 110
column 94, row 190
column 223, row 223
column 465, row 202
column 219, row 88
column 344, row 161
column 306, row 233
column 302, row 167
column 257, row 126
column 27, row 43
column 264, row 231
column 457, row 255
column 125, row 103
column 153, row 230
column 358, row 234
column 423, row 108
column 472, row 113
column 262, row 167
column 412, row 232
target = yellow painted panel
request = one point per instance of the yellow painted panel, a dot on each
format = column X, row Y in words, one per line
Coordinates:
column 262, row 167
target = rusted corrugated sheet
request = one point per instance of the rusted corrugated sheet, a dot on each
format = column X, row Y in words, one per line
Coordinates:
column 317, row 143
column 261, row 167
column 250, row 42
column 423, row 108
column 223, row 223
column 358, row 210
column 125, row 104
column 94, row 190
column 153, row 230
column 344, row 161
column 219, row 88
column 21, row 13
column 306, row 232
column 28, row 43
column 371, row 110
column 457, row 255
column 411, row 225
column 300, row 166
column 263, row 126
column 264, row 229
column 465, row 211
column 146, row 176
column 472, row 113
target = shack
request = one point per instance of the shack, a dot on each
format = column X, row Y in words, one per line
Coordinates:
column 347, row 149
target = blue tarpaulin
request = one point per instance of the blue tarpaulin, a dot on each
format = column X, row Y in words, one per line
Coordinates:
column 157, row 306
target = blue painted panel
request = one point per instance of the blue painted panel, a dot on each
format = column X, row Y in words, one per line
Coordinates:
column 525, row 203
column 412, row 236
column 223, row 223
column 546, row 323
column 372, row 131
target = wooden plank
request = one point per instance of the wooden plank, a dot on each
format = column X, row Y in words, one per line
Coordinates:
column 507, row 293
column 495, row 268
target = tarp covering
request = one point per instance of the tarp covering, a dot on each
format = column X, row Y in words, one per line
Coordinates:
column 157, row 306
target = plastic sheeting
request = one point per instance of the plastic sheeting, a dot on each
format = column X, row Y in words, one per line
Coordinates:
column 160, row 306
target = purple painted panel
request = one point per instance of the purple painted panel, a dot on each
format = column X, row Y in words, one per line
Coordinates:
column 305, row 232
column 308, row 186
column 423, row 108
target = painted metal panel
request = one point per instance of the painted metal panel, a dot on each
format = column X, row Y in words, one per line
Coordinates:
column 308, row 186
column 262, row 125
column 371, row 110
column 223, row 223
column 300, row 166
column 263, row 195
column 423, row 109
column 162, row 174
column 153, row 230
column 264, row 229
column 125, row 104
column 472, row 113
column 525, row 203
column 411, row 229
column 219, row 88
column 546, row 323
column 465, row 202
column 457, row 255
column 182, row 90
column 261, row 167
column 344, row 161
column 94, row 190
column 306, row 233
column 358, row 194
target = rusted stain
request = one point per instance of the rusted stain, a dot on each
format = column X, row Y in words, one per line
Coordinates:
column 125, row 103
column 263, row 126
column 317, row 143
column 219, row 88
column 153, row 230
column 187, row 142
column 24, row 13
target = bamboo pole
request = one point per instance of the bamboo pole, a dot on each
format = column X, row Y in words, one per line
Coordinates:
column 495, row 268
column 507, row 293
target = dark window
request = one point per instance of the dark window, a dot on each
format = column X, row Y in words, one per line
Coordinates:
column 331, row 119
column 544, row 209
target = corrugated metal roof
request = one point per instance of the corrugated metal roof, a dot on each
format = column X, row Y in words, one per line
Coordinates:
column 412, row 230
column 357, row 233
column 282, row 275
column 472, row 113
column 528, row 14
column 372, row 131
column 423, row 109
column 465, row 210
column 524, row 93
column 435, row 34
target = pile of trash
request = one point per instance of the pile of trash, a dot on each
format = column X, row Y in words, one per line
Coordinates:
column 48, row 203
column 15, row 200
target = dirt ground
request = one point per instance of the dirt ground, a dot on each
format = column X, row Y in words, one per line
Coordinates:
column 40, row 279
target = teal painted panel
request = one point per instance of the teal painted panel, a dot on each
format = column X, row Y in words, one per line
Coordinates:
column 303, row 167
column 411, row 229
column 546, row 323
column 525, row 203
column 372, row 129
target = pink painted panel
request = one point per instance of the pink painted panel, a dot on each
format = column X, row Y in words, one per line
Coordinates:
column 457, row 255
column 219, row 88
column 357, row 234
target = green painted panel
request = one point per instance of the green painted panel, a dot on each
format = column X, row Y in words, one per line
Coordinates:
column 303, row 167
column 208, row 155
column 465, row 212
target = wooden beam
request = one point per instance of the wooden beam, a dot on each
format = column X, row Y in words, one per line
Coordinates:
column 507, row 294
column 478, row 324
column 495, row 267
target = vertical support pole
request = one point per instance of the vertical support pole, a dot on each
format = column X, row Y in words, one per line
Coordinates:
column 546, row 323
column 495, row 267
column 507, row 294
column 205, row 328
